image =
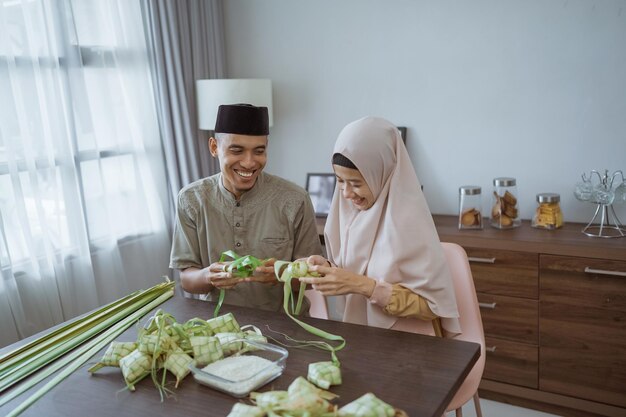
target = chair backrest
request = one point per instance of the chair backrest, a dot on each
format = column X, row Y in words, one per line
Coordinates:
column 469, row 317
column 318, row 309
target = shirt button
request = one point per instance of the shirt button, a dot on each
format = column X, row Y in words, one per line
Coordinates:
column 238, row 204
column 237, row 224
column 238, row 244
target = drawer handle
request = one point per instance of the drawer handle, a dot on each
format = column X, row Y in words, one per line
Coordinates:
column 605, row 272
column 487, row 305
column 490, row 349
column 481, row 260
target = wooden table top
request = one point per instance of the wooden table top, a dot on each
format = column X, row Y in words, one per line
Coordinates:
column 416, row 373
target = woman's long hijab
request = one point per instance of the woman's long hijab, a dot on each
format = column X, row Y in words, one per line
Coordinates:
column 395, row 240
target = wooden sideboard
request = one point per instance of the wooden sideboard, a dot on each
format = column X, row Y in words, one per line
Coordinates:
column 553, row 305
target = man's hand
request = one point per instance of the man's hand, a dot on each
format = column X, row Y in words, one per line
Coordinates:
column 217, row 277
column 264, row 273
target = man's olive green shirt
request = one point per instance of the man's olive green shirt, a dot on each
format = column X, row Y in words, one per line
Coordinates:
column 275, row 219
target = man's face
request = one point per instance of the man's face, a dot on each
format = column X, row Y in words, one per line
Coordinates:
column 242, row 158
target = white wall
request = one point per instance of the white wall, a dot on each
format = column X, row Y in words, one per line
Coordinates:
column 533, row 89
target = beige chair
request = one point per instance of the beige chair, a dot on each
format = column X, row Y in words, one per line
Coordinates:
column 471, row 324
column 318, row 309
column 470, row 320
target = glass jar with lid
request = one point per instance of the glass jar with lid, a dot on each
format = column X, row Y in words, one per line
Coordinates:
column 548, row 214
column 504, row 210
column 470, row 207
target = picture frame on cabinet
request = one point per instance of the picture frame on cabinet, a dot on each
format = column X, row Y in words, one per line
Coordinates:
column 321, row 187
column 402, row 130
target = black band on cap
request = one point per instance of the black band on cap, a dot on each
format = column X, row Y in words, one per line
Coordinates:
column 339, row 159
column 242, row 119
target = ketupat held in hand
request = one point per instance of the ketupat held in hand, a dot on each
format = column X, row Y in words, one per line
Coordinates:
column 299, row 269
column 241, row 267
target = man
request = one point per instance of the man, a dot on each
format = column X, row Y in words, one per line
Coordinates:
column 243, row 209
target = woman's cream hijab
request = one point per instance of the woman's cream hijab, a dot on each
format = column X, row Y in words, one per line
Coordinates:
column 395, row 240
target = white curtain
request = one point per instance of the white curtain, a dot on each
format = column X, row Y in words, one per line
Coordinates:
column 83, row 194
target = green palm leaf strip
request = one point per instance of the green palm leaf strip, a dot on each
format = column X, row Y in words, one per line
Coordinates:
column 286, row 271
column 109, row 331
column 77, row 326
column 22, row 362
column 240, row 267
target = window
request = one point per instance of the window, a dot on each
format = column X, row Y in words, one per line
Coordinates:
column 78, row 133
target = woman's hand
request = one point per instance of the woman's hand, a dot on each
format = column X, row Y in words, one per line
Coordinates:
column 317, row 260
column 338, row 281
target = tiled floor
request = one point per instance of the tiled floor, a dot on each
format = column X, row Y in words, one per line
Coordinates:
column 496, row 409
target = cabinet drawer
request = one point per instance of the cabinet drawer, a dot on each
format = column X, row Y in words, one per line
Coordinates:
column 583, row 328
column 503, row 272
column 511, row 362
column 510, row 317
column 565, row 281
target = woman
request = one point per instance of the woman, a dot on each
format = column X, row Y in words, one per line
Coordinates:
column 383, row 248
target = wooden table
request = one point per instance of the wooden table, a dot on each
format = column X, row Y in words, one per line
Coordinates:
column 416, row 373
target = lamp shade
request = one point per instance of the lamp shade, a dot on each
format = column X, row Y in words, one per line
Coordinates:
column 213, row 93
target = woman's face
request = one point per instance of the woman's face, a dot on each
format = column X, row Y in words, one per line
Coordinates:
column 353, row 187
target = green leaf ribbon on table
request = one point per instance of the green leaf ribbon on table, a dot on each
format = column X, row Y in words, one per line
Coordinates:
column 322, row 374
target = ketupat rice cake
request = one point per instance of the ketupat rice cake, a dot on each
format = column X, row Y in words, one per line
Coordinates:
column 224, row 324
column 178, row 362
column 244, row 410
column 206, row 349
column 367, row 406
column 135, row 366
column 324, row 374
column 115, row 352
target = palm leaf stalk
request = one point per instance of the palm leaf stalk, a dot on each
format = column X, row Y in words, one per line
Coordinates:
column 83, row 354
column 52, row 337
column 17, row 366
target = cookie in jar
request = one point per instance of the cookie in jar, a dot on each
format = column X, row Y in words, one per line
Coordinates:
column 504, row 209
column 470, row 204
column 548, row 214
